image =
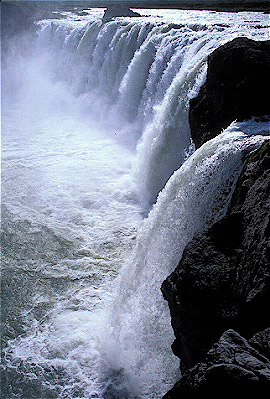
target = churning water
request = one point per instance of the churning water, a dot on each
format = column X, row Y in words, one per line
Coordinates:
column 101, row 192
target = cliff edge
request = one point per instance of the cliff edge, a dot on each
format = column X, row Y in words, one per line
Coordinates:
column 220, row 291
column 221, row 283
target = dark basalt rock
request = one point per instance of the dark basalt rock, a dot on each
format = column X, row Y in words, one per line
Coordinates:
column 236, row 88
column 118, row 11
column 223, row 278
column 232, row 366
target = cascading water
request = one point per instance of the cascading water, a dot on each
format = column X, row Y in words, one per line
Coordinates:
column 95, row 131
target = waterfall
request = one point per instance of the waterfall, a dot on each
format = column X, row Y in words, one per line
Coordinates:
column 136, row 79
column 195, row 197
column 102, row 190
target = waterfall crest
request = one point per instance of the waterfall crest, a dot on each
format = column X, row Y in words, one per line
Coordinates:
column 136, row 78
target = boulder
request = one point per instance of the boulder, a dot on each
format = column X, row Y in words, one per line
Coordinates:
column 236, row 88
column 232, row 366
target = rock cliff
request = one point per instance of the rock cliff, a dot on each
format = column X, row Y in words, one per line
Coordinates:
column 219, row 293
column 236, row 88
column 223, row 282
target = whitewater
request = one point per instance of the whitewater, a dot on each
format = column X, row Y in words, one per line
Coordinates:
column 101, row 191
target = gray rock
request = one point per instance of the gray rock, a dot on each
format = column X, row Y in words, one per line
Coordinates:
column 261, row 342
column 118, row 11
column 232, row 366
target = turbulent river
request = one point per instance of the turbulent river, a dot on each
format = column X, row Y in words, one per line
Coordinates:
column 102, row 190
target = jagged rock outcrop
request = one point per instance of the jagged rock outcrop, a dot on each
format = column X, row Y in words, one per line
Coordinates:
column 232, row 366
column 223, row 279
column 118, row 11
column 261, row 342
column 236, row 88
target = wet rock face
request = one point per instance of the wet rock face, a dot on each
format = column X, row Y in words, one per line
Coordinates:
column 236, row 88
column 223, row 279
